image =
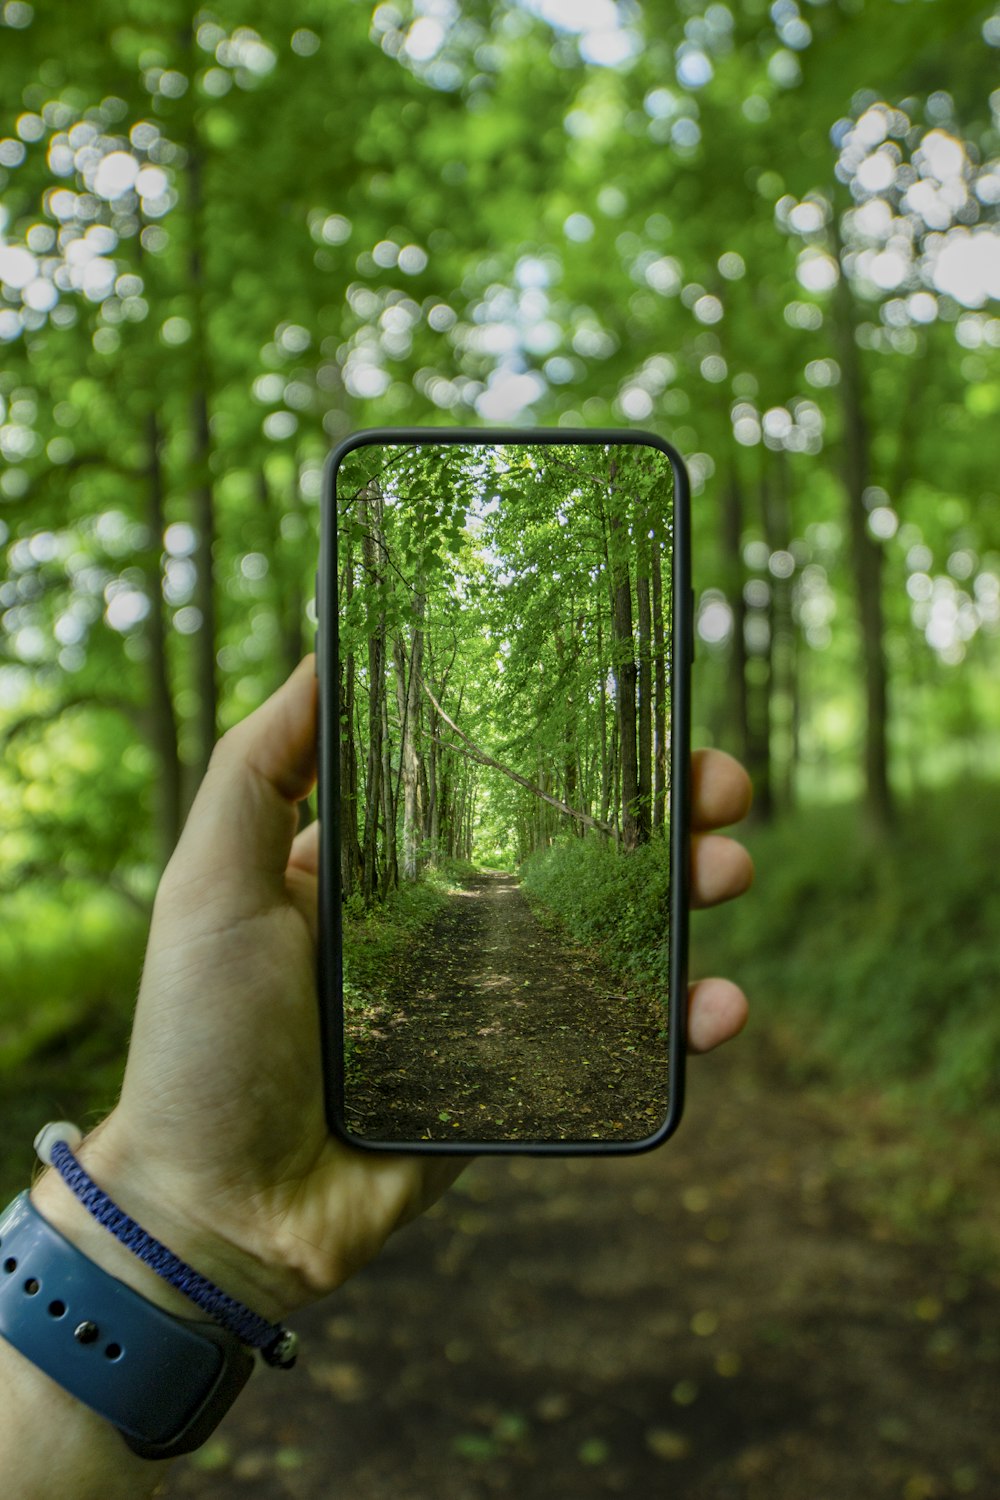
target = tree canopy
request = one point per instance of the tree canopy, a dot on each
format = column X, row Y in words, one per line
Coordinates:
column 505, row 621
column 769, row 234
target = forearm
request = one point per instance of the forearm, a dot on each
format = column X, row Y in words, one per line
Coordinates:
column 52, row 1447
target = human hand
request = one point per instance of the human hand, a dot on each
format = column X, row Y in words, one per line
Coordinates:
column 219, row 1146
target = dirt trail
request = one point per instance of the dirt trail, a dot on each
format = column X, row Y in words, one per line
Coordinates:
column 711, row 1321
column 498, row 1028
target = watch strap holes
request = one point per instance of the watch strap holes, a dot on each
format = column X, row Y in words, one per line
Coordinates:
column 10, row 1264
column 113, row 1351
column 32, row 1285
column 57, row 1309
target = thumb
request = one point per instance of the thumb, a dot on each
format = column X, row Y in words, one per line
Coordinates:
column 242, row 822
column 278, row 740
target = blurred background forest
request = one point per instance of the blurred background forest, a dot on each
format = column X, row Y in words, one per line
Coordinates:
column 771, row 233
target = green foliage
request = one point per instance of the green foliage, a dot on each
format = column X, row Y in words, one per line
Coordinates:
column 69, row 963
column 506, row 230
column 620, row 905
column 481, row 573
column 377, row 939
column 632, row 247
column 877, row 958
column 70, row 960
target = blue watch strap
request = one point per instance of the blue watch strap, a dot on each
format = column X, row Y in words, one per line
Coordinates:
column 165, row 1382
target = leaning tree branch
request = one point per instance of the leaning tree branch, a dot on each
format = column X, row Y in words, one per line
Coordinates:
column 475, row 753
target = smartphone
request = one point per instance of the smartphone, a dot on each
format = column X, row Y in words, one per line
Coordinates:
column 503, row 653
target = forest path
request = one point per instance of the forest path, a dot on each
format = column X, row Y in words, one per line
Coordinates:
column 714, row 1320
column 498, row 1028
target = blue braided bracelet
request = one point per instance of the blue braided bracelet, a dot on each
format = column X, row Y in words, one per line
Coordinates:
column 278, row 1345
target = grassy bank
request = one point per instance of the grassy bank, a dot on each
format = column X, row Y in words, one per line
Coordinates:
column 878, row 959
column 873, row 974
column 619, row 906
column 874, row 978
column 70, row 961
column 881, row 956
column 376, row 941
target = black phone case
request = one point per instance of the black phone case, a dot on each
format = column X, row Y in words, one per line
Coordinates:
column 330, row 968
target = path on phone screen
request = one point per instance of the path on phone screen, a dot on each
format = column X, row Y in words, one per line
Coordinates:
column 498, row 1027
column 714, row 1320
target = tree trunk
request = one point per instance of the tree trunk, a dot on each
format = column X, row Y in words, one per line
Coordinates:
column 408, row 701
column 602, row 709
column 459, row 829
column 169, row 782
column 777, row 533
column 661, row 749
column 866, row 557
column 350, row 849
column 423, row 801
column 734, row 578
column 566, row 657
column 203, row 498
column 645, row 799
column 760, row 682
column 433, row 810
column 470, row 817
column 369, row 511
column 287, row 583
column 286, row 572
column 624, row 667
column 444, row 796
column 390, row 867
column 206, row 684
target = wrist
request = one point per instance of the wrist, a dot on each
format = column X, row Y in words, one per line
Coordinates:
column 147, row 1197
column 163, row 1382
column 66, row 1213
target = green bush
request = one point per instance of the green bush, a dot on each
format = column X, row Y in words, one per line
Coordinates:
column 376, row 938
column 878, row 957
column 69, row 965
column 619, row 905
column 70, row 960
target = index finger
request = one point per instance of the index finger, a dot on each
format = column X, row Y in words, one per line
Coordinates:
column 721, row 792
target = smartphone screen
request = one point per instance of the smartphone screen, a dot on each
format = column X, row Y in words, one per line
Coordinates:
column 504, row 686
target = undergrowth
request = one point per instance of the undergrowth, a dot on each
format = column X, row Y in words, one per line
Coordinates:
column 874, row 980
column 63, row 962
column 881, row 955
column 878, row 957
column 376, row 938
column 619, row 906
column 70, row 961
